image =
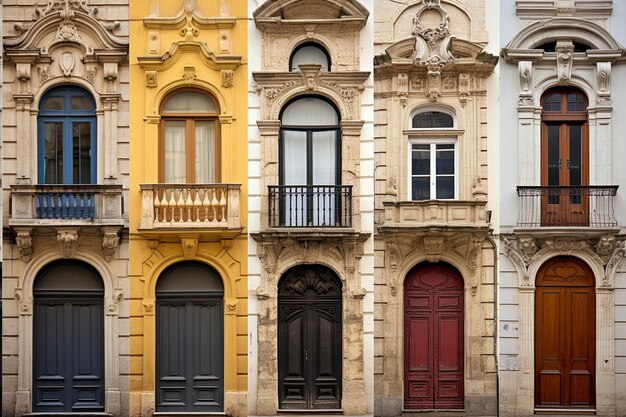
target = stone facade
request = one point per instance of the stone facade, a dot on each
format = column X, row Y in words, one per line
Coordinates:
column 188, row 46
column 431, row 56
column 60, row 44
column 542, row 51
column 342, row 28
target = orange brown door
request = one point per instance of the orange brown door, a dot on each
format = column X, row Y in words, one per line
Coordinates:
column 565, row 330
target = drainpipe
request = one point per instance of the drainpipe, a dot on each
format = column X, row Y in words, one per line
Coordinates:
column 495, row 319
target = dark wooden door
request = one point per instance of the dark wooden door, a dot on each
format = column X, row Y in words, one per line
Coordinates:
column 68, row 352
column 190, row 354
column 565, row 335
column 309, row 339
column 433, row 338
column 565, row 159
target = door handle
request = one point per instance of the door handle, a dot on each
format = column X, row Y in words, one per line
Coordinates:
column 306, row 354
column 559, row 163
column 569, row 165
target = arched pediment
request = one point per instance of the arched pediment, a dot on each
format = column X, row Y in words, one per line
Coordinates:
column 56, row 29
column 199, row 49
column 565, row 29
column 279, row 12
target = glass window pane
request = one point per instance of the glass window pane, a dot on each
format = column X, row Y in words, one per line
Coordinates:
column 81, row 153
column 445, row 161
column 553, row 155
column 53, row 153
column 309, row 54
column 189, row 102
column 54, row 104
column 310, row 111
column 175, row 152
column 552, row 102
column 575, row 156
column 205, row 151
column 81, row 103
column 420, row 189
column 421, row 160
column 432, row 120
column 324, row 157
column 445, row 187
column 294, row 158
column 575, row 102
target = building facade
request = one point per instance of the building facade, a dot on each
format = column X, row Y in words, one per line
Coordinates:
column 311, row 189
column 188, row 205
column 562, row 282
column 435, row 254
column 65, row 192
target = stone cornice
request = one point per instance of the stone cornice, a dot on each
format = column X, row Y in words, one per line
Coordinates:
column 169, row 58
column 179, row 21
column 340, row 14
column 268, row 79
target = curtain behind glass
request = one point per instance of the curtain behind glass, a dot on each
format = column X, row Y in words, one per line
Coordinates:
column 175, row 156
column 309, row 111
column 324, row 176
column 294, row 173
column 205, row 151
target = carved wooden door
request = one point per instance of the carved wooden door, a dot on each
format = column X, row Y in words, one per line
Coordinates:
column 433, row 338
column 565, row 335
column 309, row 339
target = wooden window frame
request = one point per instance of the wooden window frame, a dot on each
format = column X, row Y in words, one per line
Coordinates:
column 190, row 148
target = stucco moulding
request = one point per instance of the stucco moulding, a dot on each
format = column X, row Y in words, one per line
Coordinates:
column 338, row 14
column 171, row 57
column 468, row 57
column 604, row 47
column 180, row 20
column 534, row 9
column 35, row 42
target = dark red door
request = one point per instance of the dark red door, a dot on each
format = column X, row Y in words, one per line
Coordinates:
column 565, row 333
column 433, row 338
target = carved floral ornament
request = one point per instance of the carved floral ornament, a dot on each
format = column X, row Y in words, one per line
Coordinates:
column 606, row 250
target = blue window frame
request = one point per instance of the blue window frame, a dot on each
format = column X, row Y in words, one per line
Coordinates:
column 67, row 137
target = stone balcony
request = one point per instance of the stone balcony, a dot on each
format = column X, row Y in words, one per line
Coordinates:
column 182, row 208
column 440, row 215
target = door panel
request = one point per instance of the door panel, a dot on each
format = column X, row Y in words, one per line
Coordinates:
column 189, row 355
column 433, row 338
column 68, row 356
column 565, row 336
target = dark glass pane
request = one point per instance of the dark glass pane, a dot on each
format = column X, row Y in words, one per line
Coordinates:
column 431, row 120
column 552, row 102
column 445, row 161
column 53, row 153
column 54, row 104
column 547, row 47
column 81, row 155
column 575, row 155
column 81, row 103
column 421, row 188
column 445, row 187
column 421, row 160
column 553, row 155
column 581, row 47
column 575, row 102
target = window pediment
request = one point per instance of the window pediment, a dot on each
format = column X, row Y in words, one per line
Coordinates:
column 325, row 12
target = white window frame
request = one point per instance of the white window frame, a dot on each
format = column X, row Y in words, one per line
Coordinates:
column 433, row 142
column 439, row 109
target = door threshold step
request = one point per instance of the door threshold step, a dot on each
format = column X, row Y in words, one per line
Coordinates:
column 457, row 412
column 78, row 414
column 188, row 414
column 316, row 411
column 547, row 412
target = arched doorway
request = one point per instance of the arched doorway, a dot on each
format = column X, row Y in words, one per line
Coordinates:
column 189, row 339
column 565, row 333
column 309, row 339
column 433, row 338
column 68, row 339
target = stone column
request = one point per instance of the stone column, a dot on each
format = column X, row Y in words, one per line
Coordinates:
column 526, row 376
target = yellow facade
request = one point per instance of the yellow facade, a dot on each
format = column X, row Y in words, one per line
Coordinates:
column 176, row 46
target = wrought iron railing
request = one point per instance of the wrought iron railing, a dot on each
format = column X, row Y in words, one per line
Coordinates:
column 310, row 205
column 190, row 206
column 561, row 206
column 89, row 202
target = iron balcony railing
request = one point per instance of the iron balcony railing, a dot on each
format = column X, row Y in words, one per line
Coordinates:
column 563, row 206
column 310, row 205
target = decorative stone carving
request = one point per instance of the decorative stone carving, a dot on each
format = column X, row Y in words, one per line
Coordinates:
column 189, row 31
column 605, row 245
column 527, row 246
column 90, row 74
column 67, row 8
column 68, row 242
column 525, row 70
column 24, row 305
column 44, row 73
column 603, row 75
column 190, row 246
column 227, row 78
column 113, row 303
column 24, row 245
column 148, row 307
column 565, row 59
column 67, row 63
column 189, row 73
column 478, row 189
column 403, row 87
column 418, row 84
column 110, row 243
column 68, row 32
column 433, row 247
column 231, row 305
column 151, row 79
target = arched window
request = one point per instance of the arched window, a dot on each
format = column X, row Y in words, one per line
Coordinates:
column 67, row 137
column 432, row 158
column 189, row 139
column 565, row 157
column 309, row 53
column 310, row 162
